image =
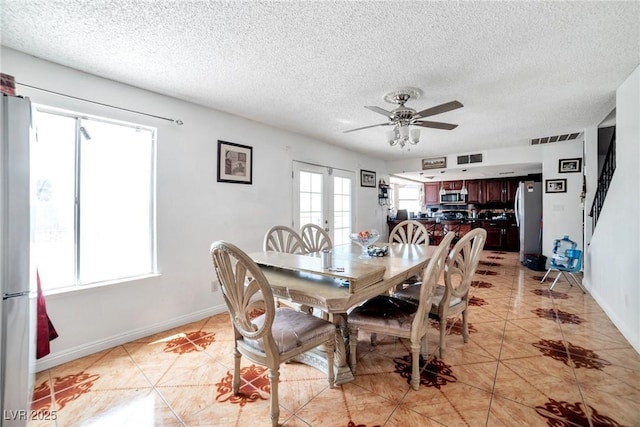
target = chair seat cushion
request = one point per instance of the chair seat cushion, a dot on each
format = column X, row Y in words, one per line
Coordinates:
column 293, row 328
column 384, row 311
column 438, row 294
column 412, row 293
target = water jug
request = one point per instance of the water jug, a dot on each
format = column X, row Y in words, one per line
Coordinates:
column 560, row 247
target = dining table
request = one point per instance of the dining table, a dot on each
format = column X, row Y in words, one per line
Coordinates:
column 332, row 290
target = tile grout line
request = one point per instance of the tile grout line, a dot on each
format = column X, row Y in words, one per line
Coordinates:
column 495, row 376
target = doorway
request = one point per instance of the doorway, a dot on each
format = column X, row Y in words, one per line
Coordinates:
column 323, row 195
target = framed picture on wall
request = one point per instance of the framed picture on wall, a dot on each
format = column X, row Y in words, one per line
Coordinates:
column 570, row 165
column 367, row 178
column 235, row 163
column 555, row 186
column 434, row 163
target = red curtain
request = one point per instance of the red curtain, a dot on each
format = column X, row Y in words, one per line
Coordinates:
column 45, row 332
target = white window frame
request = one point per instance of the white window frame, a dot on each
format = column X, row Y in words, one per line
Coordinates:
column 79, row 117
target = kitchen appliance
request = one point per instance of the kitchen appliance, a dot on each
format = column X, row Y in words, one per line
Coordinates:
column 17, row 284
column 528, row 212
column 453, row 198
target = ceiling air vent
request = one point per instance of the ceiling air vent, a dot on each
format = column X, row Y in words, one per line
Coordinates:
column 470, row 158
column 556, row 138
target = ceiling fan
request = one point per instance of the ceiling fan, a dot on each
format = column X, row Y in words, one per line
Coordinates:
column 402, row 117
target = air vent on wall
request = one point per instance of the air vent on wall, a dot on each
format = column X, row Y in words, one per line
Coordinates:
column 556, row 138
column 470, row 158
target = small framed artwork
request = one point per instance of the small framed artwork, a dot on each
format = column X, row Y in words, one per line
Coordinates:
column 434, row 163
column 367, row 178
column 570, row 165
column 555, row 186
column 235, row 163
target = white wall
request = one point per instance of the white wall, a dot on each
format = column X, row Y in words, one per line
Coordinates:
column 562, row 212
column 615, row 245
column 590, row 165
column 193, row 210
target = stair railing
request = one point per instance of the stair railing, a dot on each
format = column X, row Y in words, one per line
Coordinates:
column 608, row 168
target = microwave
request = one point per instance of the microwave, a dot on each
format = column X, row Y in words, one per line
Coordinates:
column 452, row 198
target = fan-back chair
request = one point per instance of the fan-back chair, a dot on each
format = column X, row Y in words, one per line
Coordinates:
column 314, row 238
column 271, row 338
column 387, row 315
column 452, row 298
column 281, row 238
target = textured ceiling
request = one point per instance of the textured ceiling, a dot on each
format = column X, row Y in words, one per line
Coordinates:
column 522, row 69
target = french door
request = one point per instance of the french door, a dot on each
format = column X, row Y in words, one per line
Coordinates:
column 324, row 196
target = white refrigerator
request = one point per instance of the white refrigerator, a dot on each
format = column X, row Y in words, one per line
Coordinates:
column 528, row 211
column 17, row 272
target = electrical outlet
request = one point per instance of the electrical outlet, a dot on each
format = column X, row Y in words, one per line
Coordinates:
column 214, row 286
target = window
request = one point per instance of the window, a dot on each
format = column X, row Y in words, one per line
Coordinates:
column 409, row 197
column 94, row 208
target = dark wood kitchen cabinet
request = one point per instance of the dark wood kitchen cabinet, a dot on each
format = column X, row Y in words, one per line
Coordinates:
column 475, row 191
column 452, row 185
column 501, row 235
column 511, row 238
column 511, row 185
column 500, row 191
column 493, row 191
column 432, row 193
column 494, row 235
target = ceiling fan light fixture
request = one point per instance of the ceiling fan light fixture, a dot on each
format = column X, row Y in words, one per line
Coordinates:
column 415, row 136
column 404, row 132
column 391, row 137
column 402, row 117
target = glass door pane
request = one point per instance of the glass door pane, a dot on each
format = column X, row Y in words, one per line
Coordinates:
column 310, row 192
column 342, row 210
column 323, row 196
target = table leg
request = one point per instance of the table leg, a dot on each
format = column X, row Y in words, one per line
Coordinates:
column 318, row 360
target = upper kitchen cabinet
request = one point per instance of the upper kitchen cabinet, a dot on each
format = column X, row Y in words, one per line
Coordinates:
column 475, row 192
column 500, row 191
column 452, row 185
column 432, row 193
column 493, row 191
column 511, row 188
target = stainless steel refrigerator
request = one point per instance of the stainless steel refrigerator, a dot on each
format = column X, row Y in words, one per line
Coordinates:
column 528, row 210
column 17, row 273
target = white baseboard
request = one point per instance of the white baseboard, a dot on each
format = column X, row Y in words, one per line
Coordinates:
column 55, row 359
column 624, row 329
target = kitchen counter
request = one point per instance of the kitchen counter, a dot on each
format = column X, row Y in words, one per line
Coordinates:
column 461, row 221
column 502, row 234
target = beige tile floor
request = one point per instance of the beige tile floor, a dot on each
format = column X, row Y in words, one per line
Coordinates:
column 534, row 358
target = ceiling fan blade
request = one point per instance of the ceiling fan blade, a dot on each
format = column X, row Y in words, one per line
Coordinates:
column 435, row 125
column 438, row 109
column 379, row 110
column 367, row 127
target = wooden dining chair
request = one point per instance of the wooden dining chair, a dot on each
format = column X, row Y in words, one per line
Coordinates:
column 452, row 298
column 386, row 315
column 452, row 226
column 409, row 231
column 281, row 238
column 314, row 238
column 272, row 338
